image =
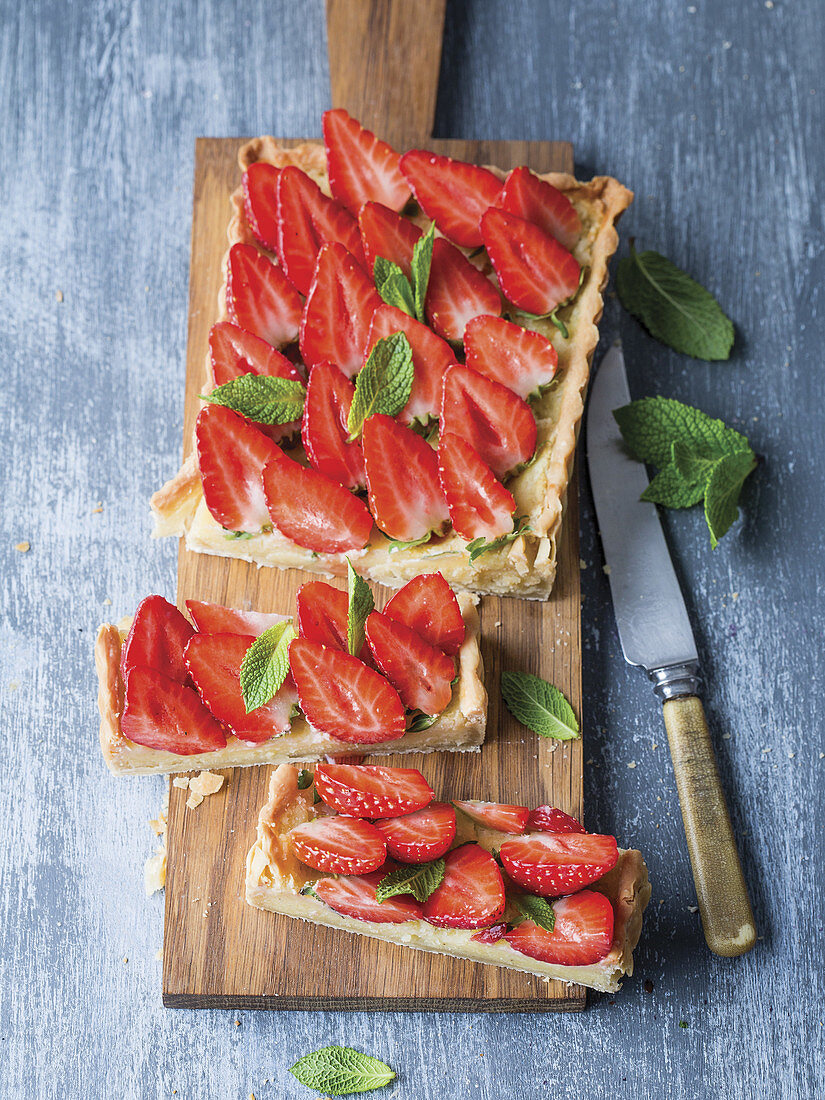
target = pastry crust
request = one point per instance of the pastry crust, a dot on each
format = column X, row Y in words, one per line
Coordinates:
column 274, row 878
column 527, row 566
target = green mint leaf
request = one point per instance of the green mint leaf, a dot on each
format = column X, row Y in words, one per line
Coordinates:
column 240, row 534
column 361, row 604
column 722, row 492
column 422, row 258
column 419, row 721
column 304, row 779
column 397, row 544
column 670, row 489
column 539, row 706
column 480, row 546
column 690, row 465
column 652, row 425
column 308, row 890
column 384, row 383
column 418, row 879
column 560, row 325
column 538, row 910
column 672, row 306
column 341, row 1071
column 265, row 665
column 261, row 398
column 393, row 285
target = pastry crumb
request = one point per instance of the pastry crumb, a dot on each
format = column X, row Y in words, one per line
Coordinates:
column 125, row 958
column 606, row 570
column 159, row 954
column 97, row 508
column 108, row 602
column 631, row 763
column 193, row 801
column 23, row 547
column 237, row 1023
column 582, row 563
column 693, row 909
column 181, row 781
column 58, row 295
column 206, row 783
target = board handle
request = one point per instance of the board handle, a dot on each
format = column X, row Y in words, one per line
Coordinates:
column 384, row 59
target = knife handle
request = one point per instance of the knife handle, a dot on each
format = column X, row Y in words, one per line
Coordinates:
column 726, row 912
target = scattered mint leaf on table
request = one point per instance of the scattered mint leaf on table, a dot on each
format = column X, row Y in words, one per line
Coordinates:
column 384, row 383
column 361, row 604
column 261, row 398
column 422, row 258
column 265, row 665
column 722, row 492
column 670, row 489
column 536, row 909
column 341, row 1071
column 393, row 285
column 418, row 879
column 539, row 706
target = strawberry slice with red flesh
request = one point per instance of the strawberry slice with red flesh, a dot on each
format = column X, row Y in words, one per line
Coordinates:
column 324, row 428
column 322, row 614
column 551, row 864
column 307, row 220
column 232, row 454
column 420, row 836
column 370, row 790
column 522, row 360
column 342, row 697
column 385, row 233
column 480, row 506
column 342, row 845
column 313, row 510
column 233, row 351
column 539, row 202
column 338, row 311
column 457, row 292
column 582, row 934
column 494, row 420
column 260, row 202
column 427, row 605
column 471, row 894
column 420, row 673
column 495, row 815
column 534, row 272
column 547, row 819
column 405, row 496
column 162, row 714
column 212, row 618
column 454, row 194
column 157, row 639
column 360, row 167
column 354, row 896
column 490, row 935
column 431, row 358
column 259, row 298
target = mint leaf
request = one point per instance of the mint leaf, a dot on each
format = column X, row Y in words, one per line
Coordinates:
column 261, row 398
column 421, row 261
column 672, row 306
column 398, row 544
column 304, row 779
column 341, row 1071
column 419, row 721
column 539, row 706
column 538, row 910
column 672, row 490
column 384, row 383
column 265, row 665
column 722, row 492
column 480, row 546
column 652, row 425
column 418, row 879
column 393, row 285
column 361, row 604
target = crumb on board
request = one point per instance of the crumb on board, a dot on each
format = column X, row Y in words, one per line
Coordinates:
column 23, row 547
column 206, row 783
column 193, row 801
column 181, row 781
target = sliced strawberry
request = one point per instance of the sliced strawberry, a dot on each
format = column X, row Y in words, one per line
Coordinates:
column 452, row 193
column 427, row 605
column 534, row 272
column 162, row 714
column 354, row 896
column 420, row 836
column 233, row 351
column 307, row 220
column 405, row 497
column 343, row 698
column 495, row 815
column 260, row 202
column 457, row 292
column 322, row 614
column 480, row 506
column 581, row 936
column 342, row 845
column 385, row 233
column 338, row 311
column 420, row 673
column 547, row 819
column 212, row 618
column 324, row 429
column 494, row 420
column 431, row 358
column 157, row 638
column 370, row 790
column 360, row 167
column 232, row 454
column 490, row 935
column 313, row 510
column 259, row 298
column 539, row 202
column 522, row 360
column 471, row 894
column 551, row 864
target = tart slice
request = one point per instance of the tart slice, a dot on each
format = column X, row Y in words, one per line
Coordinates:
column 368, row 850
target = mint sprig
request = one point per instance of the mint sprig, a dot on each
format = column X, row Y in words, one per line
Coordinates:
column 419, row 879
column 341, row 1071
column 265, row 665
column 261, row 398
column 384, row 383
column 536, row 909
column 393, row 285
column 422, row 258
column 539, row 706
column 480, row 546
column 360, row 605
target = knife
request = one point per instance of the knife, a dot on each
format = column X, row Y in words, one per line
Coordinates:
column 655, row 634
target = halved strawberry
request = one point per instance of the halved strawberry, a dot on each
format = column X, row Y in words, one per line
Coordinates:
column 232, row 454
column 338, row 311
column 233, row 351
column 385, row 233
column 457, row 292
column 471, row 894
column 360, row 167
column 551, row 864
column 480, row 506
column 405, row 497
column 495, row 815
column 534, row 272
column 454, row 194
column 427, row 605
column 313, row 510
column 260, row 202
column 343, row 698
column 490, row 935
column 547, row 819
column 498, row 424
column 581, row 936
column 354, row 896
column 212, row 618
column 324, row 428
column 539, row 202
column 420, row 673
column 342, row 845
column 259, row 298
column 369, row 790
column 156, row 639
column 522, row 360
column 420, row 836
column 431, row 358
column 162, row 714
column 322, row 614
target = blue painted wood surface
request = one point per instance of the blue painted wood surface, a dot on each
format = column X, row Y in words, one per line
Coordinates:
column 713, row 113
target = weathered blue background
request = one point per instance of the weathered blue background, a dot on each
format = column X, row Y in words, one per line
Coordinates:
column 712, row 112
